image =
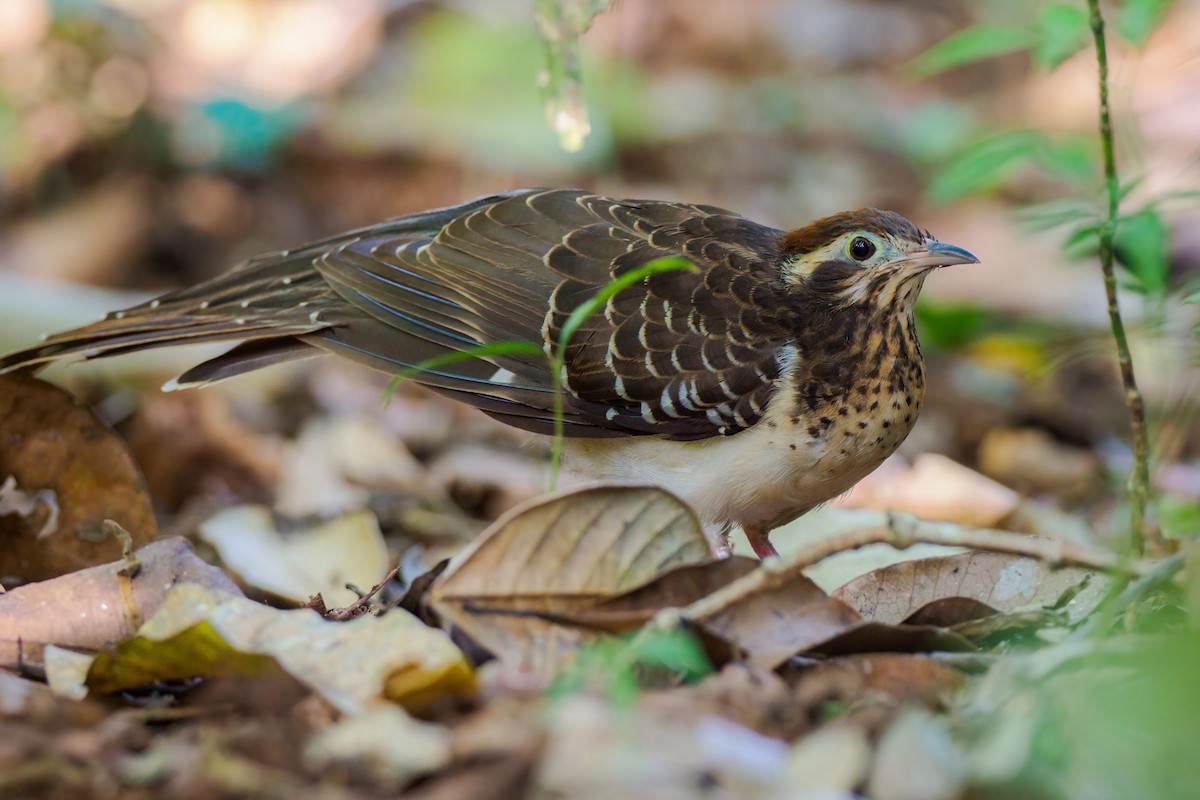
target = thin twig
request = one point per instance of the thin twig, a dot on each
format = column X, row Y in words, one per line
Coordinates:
column 359, row 606
column 1139, row 478
column 903, row 531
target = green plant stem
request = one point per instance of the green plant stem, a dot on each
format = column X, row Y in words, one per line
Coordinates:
column 557, row 359
column 556, row 444
column 1139, row 479
column 572, row 324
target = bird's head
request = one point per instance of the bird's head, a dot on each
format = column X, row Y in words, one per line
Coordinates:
column 865, row 256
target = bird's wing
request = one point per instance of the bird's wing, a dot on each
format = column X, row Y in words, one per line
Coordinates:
column 682, row 354
column 686, row 355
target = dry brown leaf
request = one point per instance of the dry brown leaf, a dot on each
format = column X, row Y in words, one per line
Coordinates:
column 770, row 615
column 56, row 448
column 98, row 607
column 949, row 611
column 561, row 555
column 674, row 588
column 190, row 445
column 489, row 481
column 905, row 678
column 935, row 488
column 999, row 580
column 495, row 750
column 322, row 559
column 595, row 749
column 500, row 778
column 772, row 625
column 383, row 743
column 918, row 759
column 752, row 697
column 867, row 690
column 352, row 664
column 336, row 463
column 877, row 637
column 1031, row 460
column 829, row 762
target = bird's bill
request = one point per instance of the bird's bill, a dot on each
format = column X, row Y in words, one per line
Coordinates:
column 937, row 254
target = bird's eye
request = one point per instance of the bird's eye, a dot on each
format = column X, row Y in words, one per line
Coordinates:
column 861, row 248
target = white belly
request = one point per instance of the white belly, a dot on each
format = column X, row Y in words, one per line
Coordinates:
column 766, row 474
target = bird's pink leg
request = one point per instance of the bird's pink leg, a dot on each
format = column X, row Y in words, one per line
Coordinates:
column 758, row 535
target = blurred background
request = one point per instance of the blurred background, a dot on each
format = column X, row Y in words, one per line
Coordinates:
column 146, row 144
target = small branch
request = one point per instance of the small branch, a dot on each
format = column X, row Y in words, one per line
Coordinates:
column 362, row 604
column 556, row 444
column 1139, row 479
column 901, row 532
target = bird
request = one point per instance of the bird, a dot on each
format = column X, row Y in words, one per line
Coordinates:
column 765, row 381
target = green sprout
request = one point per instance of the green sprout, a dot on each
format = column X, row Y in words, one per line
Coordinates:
column 555, row 358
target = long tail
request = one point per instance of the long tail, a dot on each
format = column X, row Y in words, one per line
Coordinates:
column 265, row 304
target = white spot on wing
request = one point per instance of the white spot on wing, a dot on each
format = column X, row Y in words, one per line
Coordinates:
column 503, row 375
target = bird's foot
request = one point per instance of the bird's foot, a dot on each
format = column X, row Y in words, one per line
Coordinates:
column 760, row 542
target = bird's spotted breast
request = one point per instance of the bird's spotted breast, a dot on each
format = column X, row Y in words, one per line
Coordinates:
column 800, row 454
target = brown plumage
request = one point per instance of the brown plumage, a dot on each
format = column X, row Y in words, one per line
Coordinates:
column 792, row 335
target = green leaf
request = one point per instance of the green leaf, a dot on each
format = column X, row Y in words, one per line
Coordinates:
column 577, row 318
column 614, row 665
column 1083, row 242
column 970, row 45
column 951, row 326
column 935, row 131
column 678, row 651
column 1187, row 197
column 1142, row 243
column 482, row 351
column 985, row 165
column 1137, row 19
column 1126, row 187
column 1180, row 515
column 1072, row 158
column 1055, row 213
column 1062, row 32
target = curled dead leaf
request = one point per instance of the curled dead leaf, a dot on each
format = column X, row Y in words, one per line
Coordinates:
column 998, row 580
column 348, row 549
column 560, row 555
column 99, row 606
column 771, row 615
column 774, row 624
column 55, row 448
column 867, row 690
column 674, row 588
column 935, row 487
column 353, row 664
